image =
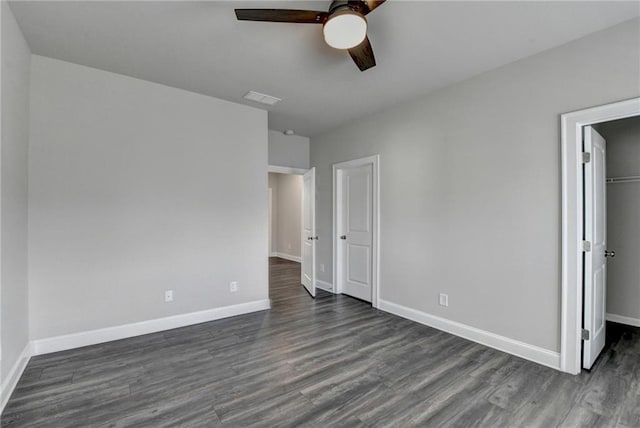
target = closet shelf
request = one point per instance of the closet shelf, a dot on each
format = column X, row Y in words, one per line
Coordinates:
column 629, row 179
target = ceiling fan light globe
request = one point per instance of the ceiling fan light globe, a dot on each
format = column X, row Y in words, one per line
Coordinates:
column 345, row 29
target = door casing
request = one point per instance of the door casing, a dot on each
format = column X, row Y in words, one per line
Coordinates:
column 290, row 171
column 374, row 161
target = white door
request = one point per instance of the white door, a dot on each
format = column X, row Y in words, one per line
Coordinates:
column 356, row 231
column 309, row 237
column 595, row 232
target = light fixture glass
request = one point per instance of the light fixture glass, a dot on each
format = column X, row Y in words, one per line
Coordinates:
column 345, row 29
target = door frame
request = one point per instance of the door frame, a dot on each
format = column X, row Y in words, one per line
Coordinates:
column 286, row 170
column 291, row 171
column 271, row 253
column 573, row 222
column 374, row 161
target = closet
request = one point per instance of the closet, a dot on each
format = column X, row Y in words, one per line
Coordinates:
column 623, row 219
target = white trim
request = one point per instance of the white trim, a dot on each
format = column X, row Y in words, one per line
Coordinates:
column 270, row 195
column 286, row 170
column 1, row 211
column 572, row 222
column 624, row 320
column 288, row 257
column 515, row 347
column 9, row 384
column 324, row 285
column 374, row 160
column 92, row 337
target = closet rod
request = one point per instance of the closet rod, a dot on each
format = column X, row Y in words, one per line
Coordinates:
column 629, row 179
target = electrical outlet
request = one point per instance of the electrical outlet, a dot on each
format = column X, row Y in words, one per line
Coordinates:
column 321, row 267
column 289, row 246
column 168, row 296
column 444, row 299
column 233, row 286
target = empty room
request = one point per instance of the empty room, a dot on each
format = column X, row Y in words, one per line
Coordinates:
column 320, row 213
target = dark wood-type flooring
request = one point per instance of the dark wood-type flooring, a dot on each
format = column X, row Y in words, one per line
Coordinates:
column 332, row 361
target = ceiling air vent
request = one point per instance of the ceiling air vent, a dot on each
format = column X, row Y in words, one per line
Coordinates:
column 261, row 98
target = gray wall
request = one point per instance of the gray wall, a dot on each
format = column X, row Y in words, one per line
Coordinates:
column 273, row 218
column 470, row 185
column 623, row 217
column 130, row 196
column 287, row 213
column 288, row 150
column 14, row 321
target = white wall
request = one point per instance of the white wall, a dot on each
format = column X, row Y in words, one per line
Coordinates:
column 16, row 58
column 623, row 215
column 130, row 196
column 288, row 150
column 287, row 213
column 470, row 185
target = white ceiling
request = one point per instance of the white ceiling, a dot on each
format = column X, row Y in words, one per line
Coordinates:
column 201, row 47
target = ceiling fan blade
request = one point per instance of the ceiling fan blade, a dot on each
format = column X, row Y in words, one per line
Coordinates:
column 365, row 6
column 362, row 55
column 282, row 15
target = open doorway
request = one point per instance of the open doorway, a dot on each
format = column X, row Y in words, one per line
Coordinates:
column 292, row 228
column 611, row 308
column 600, row 172
column 285, row 216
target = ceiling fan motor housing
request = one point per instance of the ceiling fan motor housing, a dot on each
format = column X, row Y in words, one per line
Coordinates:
column 339, row 5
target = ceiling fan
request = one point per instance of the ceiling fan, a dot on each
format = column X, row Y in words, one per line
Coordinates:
column 344, row 26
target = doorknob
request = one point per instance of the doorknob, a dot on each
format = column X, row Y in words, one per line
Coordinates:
column 343, row 237
column 608, row 253
column 310, row 238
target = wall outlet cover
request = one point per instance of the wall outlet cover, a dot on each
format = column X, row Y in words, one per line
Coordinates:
column 168, row 296
column 444, row 299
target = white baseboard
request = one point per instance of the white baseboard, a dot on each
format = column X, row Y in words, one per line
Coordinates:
column 92, row 337
column 10, row 382
column 288, row 257
column 501, row 343
column 623, row 320
column 323, row 285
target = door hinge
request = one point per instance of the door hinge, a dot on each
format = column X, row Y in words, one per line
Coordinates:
column 585, row 334
column 586, row 246
column 586, row 157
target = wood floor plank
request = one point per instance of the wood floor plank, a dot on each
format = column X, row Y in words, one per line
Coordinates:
column 550, row 405
column 332, row 361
